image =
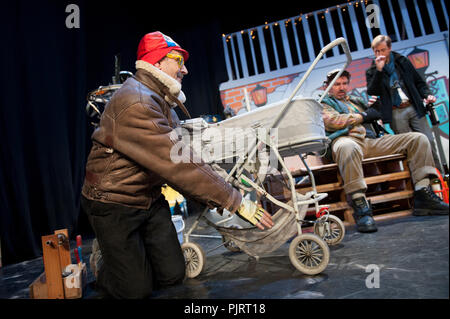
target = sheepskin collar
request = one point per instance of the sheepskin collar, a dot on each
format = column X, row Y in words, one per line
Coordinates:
column 173, row 85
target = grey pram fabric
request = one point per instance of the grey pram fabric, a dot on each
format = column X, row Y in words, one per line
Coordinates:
column 255, row 242
column 301, row 130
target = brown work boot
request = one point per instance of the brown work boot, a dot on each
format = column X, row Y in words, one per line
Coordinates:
column 363, row 215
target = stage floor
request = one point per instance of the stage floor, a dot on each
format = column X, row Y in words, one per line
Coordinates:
column 410, row 253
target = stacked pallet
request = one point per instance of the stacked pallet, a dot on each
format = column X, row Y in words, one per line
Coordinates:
column 388, row 178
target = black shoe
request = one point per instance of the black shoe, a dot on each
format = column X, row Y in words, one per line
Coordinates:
column 426, row 202
column 363, row 215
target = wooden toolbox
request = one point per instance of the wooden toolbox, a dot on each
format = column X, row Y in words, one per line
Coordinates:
column 61, row 279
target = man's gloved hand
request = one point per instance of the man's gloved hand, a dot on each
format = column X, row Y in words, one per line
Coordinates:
column 255, row 215
column 370, row 115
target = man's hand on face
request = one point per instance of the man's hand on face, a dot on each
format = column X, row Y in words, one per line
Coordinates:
column 380, row 61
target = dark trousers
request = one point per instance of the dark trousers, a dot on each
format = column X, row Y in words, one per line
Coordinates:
column 140, row 248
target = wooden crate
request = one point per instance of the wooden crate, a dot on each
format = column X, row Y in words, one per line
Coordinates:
column 388, row 178
column 56, row 256
column 72, row 285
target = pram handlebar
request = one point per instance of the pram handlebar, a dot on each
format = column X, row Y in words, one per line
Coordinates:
column 339, row 41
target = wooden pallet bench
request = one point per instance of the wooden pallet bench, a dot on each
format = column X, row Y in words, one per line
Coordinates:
column 388, row 178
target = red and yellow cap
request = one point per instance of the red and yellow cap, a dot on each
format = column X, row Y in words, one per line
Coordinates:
column 155, row 45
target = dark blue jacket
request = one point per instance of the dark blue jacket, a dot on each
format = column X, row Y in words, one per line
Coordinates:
column 415, row 87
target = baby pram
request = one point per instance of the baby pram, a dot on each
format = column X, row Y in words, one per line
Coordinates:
column 293, row 126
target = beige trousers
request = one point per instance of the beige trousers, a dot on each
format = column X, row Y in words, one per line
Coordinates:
column 348, row 152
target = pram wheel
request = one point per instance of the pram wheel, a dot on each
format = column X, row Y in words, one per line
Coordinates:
column 194, row 258
column 332, row 230
column 309, row 254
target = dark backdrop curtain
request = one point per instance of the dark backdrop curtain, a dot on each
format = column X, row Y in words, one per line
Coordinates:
column 42, row 125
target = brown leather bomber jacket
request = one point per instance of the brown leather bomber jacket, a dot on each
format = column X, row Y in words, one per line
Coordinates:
column 130, row 155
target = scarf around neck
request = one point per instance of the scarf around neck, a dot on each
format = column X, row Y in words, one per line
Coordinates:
column 393, row 80
column 339, row 106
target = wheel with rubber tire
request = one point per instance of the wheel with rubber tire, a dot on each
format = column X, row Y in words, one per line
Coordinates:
column 332, row 230
column 309, row 254
column 194, row 258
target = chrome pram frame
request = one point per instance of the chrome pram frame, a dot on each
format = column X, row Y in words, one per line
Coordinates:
column 194, row 254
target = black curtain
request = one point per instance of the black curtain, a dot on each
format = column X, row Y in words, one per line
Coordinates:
column 42, row 125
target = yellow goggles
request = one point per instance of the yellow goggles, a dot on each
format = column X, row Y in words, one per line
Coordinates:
column 178, row 58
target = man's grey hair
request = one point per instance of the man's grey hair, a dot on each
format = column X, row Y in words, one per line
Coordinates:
column 381, row 38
